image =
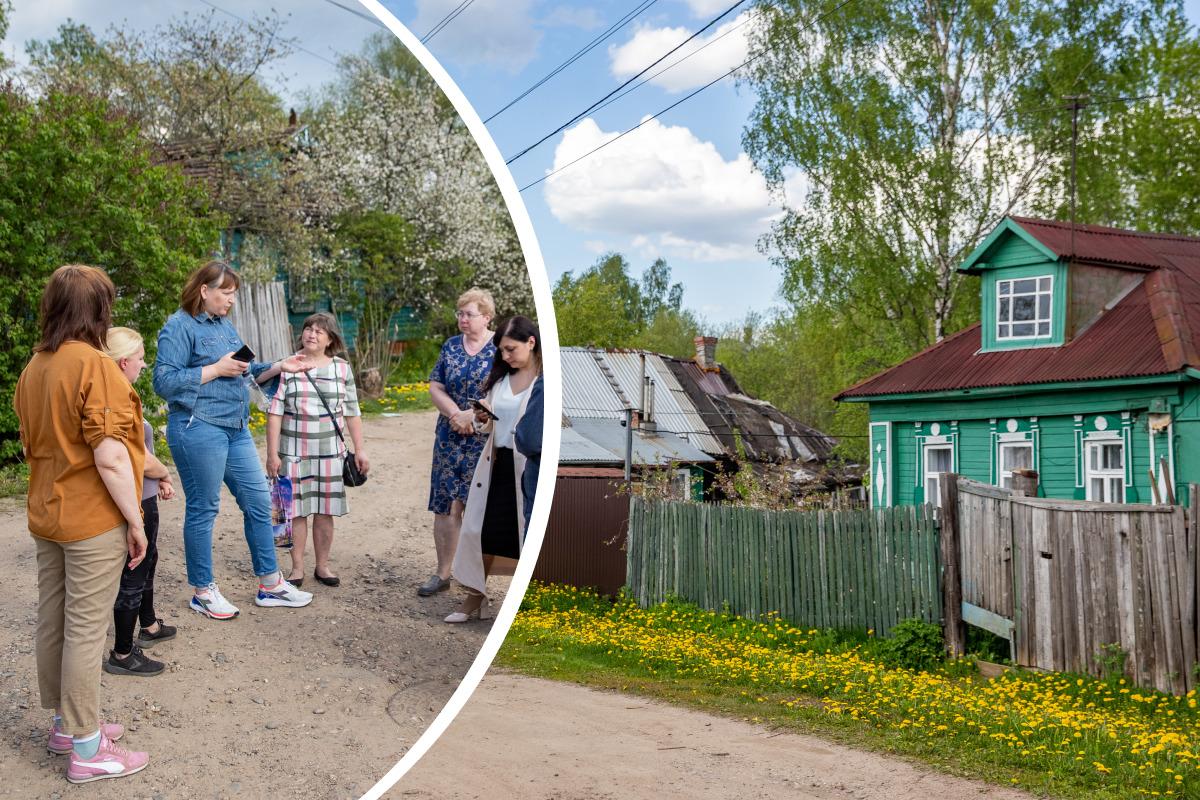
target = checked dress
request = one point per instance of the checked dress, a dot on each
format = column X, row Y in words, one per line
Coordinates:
column 309, row 446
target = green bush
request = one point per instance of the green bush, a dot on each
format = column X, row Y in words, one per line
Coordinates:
column 78, row 184
column 417, row 362
column 914, row 644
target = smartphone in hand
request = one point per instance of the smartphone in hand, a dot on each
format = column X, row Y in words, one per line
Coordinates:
column 479, row 406
column 245, row 354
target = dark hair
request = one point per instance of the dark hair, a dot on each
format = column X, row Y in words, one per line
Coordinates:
column 324, row 321
column 518, row 329
column 214, row 275
column 77, row 304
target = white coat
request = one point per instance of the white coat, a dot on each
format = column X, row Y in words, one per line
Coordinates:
column 468, row 558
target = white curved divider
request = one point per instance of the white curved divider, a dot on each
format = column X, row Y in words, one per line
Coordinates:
column 553, row 398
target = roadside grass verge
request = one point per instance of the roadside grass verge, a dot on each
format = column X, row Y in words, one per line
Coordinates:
column 1061, row 735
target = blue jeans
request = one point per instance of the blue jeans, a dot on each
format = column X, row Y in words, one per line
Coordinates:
column 206, row 455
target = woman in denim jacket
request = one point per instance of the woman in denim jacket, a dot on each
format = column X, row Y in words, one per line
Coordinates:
column 208, row 415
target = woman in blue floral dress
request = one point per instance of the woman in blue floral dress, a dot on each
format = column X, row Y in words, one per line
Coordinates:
column 463, row 365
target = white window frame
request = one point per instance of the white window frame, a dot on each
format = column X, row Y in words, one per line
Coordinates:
column 1004, row 474
column 1106, row 475
column 927, row 475
column 1037, row 320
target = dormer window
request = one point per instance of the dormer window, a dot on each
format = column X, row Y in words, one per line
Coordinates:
column 1024, row 308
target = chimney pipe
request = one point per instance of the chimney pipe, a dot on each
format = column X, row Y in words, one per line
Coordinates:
column 706, row 352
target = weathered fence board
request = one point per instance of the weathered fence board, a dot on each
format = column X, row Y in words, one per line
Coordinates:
column 1085, row 582
column 844, row 569
column 261, row 318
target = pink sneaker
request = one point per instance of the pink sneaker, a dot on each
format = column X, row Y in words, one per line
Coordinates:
column 110, row 761
column 60, row 743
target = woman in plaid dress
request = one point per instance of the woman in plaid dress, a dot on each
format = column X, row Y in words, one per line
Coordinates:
column 303, row 445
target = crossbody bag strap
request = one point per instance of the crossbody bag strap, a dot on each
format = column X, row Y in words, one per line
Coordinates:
column 332, row 417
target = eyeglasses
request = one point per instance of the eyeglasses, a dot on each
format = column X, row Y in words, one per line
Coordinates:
column 466, row 314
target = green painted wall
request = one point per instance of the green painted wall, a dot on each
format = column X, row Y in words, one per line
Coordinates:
column 1057, row 423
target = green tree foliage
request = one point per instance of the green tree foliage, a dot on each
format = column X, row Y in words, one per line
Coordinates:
column 913, row 128
column 198, row 87
column 78, row 184
column 604, row 306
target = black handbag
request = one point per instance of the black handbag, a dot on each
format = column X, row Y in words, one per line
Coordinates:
column 351, row 474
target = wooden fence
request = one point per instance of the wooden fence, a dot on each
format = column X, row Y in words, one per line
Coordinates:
column 1079, row 585
column 825, row 569
column 261, row 318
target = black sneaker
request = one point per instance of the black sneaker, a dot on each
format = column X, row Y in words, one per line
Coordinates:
column 165, row 632
column 136, row 663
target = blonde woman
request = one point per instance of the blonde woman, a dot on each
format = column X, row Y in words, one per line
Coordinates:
column 456, row 380
column 135, row 598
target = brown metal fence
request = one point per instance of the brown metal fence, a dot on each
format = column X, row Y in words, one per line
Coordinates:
column 585, row 537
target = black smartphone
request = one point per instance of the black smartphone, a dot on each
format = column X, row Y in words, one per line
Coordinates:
column 478, row 406
column 245, row 354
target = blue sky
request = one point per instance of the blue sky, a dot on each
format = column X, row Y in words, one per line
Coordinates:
column 679, row 188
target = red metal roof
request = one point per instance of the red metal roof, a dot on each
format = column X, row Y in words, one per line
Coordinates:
column 1151, row 331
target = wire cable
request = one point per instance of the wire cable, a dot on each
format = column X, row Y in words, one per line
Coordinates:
column 677, row 103
column 446, row 20
column 247, row 22
column 368, row 17
column 578, row 54
column 633, row 78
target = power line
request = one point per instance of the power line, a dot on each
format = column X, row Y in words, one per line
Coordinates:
column 369, row 18
column 247, row 22
column 578, row 54
column 446, row 20
column 657, row 61
column 670, row 66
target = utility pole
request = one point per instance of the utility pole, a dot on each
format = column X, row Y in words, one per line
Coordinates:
column 1076, row 102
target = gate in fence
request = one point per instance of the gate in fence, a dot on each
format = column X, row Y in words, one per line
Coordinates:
column 1074, row 586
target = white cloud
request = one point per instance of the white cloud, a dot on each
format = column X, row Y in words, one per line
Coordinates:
column 702, row 60
column 707, row 8
column 586, row 18
column 665, row 189
column 499, row 33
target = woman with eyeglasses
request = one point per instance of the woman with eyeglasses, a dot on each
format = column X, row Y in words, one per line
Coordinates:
column 456, row 380
column 208, row 431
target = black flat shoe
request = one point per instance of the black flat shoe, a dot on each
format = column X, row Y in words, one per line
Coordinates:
column 297, row 582
column 330, row 580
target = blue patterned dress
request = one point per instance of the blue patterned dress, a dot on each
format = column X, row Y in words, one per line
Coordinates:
column 454, row 455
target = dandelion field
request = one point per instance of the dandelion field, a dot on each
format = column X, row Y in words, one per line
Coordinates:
column 1061, row 735
column 395, row 399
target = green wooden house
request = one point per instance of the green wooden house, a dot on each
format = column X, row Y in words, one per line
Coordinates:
column 1085, row 367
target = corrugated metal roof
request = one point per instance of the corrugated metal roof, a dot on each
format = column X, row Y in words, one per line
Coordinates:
column 575, row 448
column 1151, row 331
column 589, row 393
column 609, row 435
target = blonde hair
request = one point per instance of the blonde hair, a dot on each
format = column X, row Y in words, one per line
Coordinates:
column 122, row 343
column 480, row 297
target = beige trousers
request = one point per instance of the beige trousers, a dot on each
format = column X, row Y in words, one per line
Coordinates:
column 77, row 585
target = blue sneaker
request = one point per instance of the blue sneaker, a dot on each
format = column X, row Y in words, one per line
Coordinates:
column 212, row 604
column 282, row 594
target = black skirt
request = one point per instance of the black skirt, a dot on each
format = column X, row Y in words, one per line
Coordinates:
column 501, row 535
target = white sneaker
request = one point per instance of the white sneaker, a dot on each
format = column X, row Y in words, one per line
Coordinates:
column 282, row 594
column 212, row 604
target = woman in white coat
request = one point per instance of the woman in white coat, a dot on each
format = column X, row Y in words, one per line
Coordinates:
column 493, row 526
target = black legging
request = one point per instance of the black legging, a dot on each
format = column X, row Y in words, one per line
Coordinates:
column 135, row 598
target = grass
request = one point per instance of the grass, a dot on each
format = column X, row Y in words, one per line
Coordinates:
column 14, row 480
column 1061, row 735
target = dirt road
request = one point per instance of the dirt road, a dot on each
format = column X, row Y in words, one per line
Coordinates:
column 528, row 738
column 316, row 703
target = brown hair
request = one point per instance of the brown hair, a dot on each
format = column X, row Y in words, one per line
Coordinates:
column 324, row 321
column 214, row 275
column 77, row 304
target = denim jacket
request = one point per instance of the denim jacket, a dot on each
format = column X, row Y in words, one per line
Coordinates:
column 188, row 343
